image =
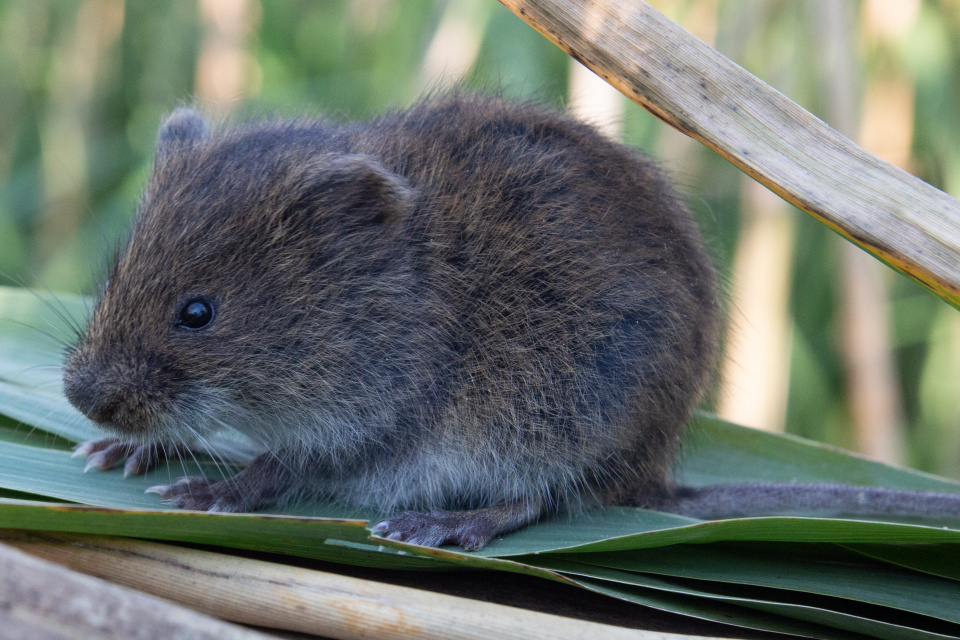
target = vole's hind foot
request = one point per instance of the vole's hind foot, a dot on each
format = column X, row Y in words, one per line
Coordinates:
column 140, row 458
column 201, row 494
column 437, row 528
column 469, row 530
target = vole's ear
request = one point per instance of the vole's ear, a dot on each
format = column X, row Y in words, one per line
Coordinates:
column 356, row 190
column 182, row 127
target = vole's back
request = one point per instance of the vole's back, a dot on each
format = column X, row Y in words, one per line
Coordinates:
column 572, row 299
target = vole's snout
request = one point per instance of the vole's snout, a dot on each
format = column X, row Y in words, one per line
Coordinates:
column 115, row 395
column 91, row 394
column 100, row 407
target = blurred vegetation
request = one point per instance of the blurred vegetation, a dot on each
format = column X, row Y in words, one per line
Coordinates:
column 85, row 83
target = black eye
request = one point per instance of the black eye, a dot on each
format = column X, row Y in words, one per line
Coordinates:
column 196, row 314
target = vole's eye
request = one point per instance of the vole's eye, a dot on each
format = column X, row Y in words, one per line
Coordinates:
column 196, row 314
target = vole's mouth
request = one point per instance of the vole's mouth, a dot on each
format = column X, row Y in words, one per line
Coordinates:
column 138, row 431
column 109, row 426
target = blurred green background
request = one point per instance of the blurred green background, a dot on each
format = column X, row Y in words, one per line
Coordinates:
column 823, row 343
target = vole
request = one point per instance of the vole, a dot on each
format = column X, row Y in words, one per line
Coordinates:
column 479, row 312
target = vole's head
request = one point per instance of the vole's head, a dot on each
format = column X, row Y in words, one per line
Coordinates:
column 254, row 252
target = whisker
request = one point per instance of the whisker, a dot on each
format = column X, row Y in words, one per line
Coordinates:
column 62, row 342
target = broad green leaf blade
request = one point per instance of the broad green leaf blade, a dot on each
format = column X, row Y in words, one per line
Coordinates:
column 40, row 371
column 47, row 411
column 790, row 568
column 617, row 529
column 296, row 536
column 669, row 599
column 451, row 559
column 34, row 329
column 712, row 610
column 33, row 315
column 19, row 433
column 57, row 475
column 936, row 559
column 717, row 452
column 801, row 612
column 8, row 494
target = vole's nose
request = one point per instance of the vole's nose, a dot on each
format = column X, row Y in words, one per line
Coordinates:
column 100, row 409
column 119, row 393
column 90, row 401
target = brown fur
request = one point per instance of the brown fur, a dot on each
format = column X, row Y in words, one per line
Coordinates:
column 467, row 305
column 481, row 311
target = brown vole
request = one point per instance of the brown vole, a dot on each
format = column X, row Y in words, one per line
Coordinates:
column 479, row 311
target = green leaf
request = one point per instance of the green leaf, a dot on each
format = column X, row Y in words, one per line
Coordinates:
column 35, row 315
column 936, row 559
column 297, row 536
column 717, row 452
column 713, row 610
column 19, row 433
column 58, row 475
column 793, row 568
column 7, row 494
column 47, row 411
column 34, row 328
column 797, row 611
column 622, row 529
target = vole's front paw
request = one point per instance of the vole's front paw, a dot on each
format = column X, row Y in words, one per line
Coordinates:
column 109, row 452
column 465, row 529
column 259, row 485
column 201, row 494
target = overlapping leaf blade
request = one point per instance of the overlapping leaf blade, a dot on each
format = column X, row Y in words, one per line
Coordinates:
column 764, row 601
column 821, row 571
